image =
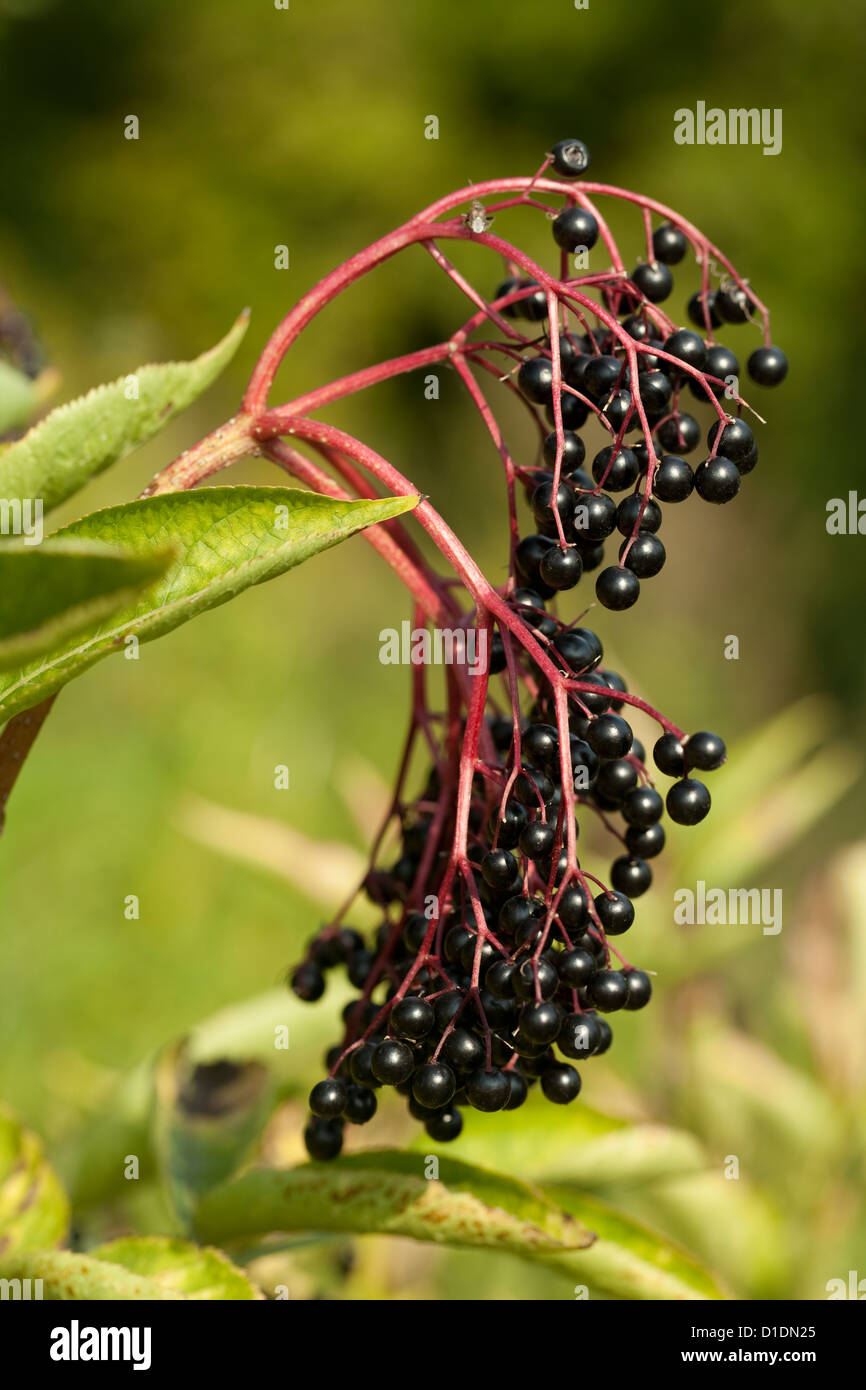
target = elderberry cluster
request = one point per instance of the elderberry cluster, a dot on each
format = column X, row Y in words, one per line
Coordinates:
column 492, row 1011
column 610, row 495
column 493, row 968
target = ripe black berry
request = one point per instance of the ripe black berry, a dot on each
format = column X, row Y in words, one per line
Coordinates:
column 705, row 751
column 328, row 1098
column 768, row 366
column 580, row 1035
column 560, row 1083
column 573, row 909
column 654, row 280
column 433, row 1085
column 573, row 454
column 535, row 379
column 734, row 304
column 609, row 736
column 688, row 801
column 499, row 868
column 608, row 990
column 323, row 1138
column 392, row 1062
column 674, row 479
column 702, row 310
column 639, row 989
column 616, row 912
column 360, row 1065
column 668, row 755
column 629, row 510
column 576, row 968
column 536, row 841
column 645, row 843
column 721, row 363
column 615, row 779
column 529, row 973
column 630, row 875
column 308, row 982
column 680, row 434
column 575, row 227
column 445, row 1125
column 361, row 1105
column 688, row 347
column 717, row 480
column 540, row 1022
column 517, row 1090
column 735, row 440
column 464, row 1049
column 561, row 569
column 412, row 1018
column 595, row 516
column 646, row 555
column 570, row 158
column 669, row 244
column 615, row 469
column 488, row 1090
column 617, row 588
column 642, row 807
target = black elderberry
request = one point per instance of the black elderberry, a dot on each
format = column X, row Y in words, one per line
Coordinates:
column 642, row 806
column 560, row 1083
column 573, row 227
column 680, row 434
column 456, row 938
column 615, row 911
column 488, row 1090
column 361, row 1105
column 600, row 375
column 411, row 1018
column 734, row 440
column 464, row 1049
column 734, row 304
column 499, row 869
column 615, row 469
column 580, row 1035
column 646, row 555
column 517, row 1089
column 540, row 1022
column 570, row 158
column 639, row 989
column 668, row 755
column 573, row 412
column 447, row 1007
column 669, row 243
column 543, row 510
column 573, row 454
column 573, row 909
column 702, row 310
column 615, row 779
column 654, row 280
column 617, row 588
column 359, row 967
column 328, row 1098
column 768, row 366
column 532, row 787
column 511, row 311
column 629, row 510
column 360, row 1065
column 444, row 1125
column 674, row 479
column 609, row 736
column 576, row 968
column 511, row 825
column 323, row 1138
column 535, row 380
column 717, row 480
column 630, row 875
column 687, row 347
column 688, row 801
column 561, row 569
column 392, row 1062
column 608, row 990
column 721, row 363
column 536, row 841
column 704, row 751
column 433, row 1085
column 308, row 982
column 645, row 843
column 414, row 931
column 531, row 973
column 655, row 392
column 577, row 651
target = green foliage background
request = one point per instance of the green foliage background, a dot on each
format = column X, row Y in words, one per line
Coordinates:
column 305, row 127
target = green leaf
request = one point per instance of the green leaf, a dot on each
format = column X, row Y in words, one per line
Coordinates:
column 53, row 590
column 147, row 1268
column 34, row 1211
column 628, row 1260
column 186, row 1269
column 593, row 1150
column 207, row 1119
column 19, row 397
column 387, row 1192
column 80, row 439
column 225, row 540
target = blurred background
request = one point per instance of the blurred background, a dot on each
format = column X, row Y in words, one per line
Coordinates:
column 305, row 127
